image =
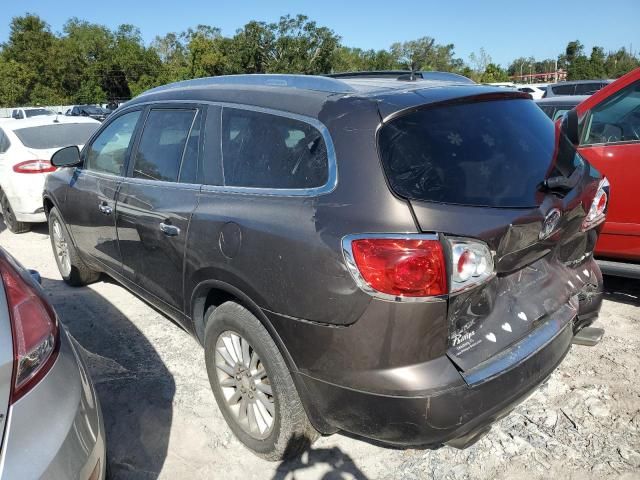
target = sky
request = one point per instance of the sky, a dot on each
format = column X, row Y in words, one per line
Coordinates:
column 505, row 29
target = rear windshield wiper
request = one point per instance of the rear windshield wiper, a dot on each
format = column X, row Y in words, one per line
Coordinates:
column 561, row 182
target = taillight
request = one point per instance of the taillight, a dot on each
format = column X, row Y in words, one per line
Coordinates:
column 598, row 209
column 472, row 263
column 397, row 266
column 34, row 328
column 34, row 166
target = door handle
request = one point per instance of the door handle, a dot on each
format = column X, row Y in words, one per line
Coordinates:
column 169, row 230
column 104, row 208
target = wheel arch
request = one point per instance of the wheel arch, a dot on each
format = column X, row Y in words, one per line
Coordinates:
column 215, row 292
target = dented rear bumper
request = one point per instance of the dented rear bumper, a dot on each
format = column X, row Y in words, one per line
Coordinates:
column 464, row 407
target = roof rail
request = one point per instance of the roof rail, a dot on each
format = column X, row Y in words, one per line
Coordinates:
column 406, row 75
column 304, row 82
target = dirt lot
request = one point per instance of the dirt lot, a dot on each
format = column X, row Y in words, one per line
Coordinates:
column 162, row 420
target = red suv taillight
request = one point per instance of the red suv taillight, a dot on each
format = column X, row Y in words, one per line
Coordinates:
column 34, row 166
column 34, row 328
column 597, row 211
column 396, row 267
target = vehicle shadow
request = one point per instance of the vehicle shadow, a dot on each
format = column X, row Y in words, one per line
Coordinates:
column 134, row 386
column 328, row 463
column 622, row 290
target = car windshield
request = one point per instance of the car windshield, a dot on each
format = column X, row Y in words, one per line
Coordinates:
column 34, row 112
column 56, row 135
column 485, row 153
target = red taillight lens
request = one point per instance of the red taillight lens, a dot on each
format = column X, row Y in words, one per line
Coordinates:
column 401, row 267
column 34, row 166
column 34, row 328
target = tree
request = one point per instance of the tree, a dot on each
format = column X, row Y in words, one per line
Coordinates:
column 414, row 55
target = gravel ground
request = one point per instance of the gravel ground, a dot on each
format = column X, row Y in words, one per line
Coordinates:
column 162, row 420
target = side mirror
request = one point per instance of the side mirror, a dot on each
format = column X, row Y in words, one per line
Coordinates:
column 570, row 126
column 66, row 157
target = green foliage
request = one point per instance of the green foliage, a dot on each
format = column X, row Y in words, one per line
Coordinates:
column 90, row 63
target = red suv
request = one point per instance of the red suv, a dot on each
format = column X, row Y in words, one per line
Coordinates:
column 610, row 140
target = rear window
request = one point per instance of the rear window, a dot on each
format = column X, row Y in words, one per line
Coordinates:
column 490, row 153
column 34, row 112
column 56, row 135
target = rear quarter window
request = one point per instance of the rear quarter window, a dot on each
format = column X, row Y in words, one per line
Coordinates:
column 489, row 153
column 263, row 150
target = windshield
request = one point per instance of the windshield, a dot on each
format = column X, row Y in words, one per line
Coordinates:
column 34, row 112
column 485, row 153
column 56, row 135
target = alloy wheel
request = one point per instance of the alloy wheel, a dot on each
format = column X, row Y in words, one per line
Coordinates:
column 245, row 384
column 61, row 248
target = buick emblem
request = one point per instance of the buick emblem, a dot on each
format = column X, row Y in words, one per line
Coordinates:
column 550, row 223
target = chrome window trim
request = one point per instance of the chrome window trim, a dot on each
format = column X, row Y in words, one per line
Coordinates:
column 349, row 259
column 332, row 164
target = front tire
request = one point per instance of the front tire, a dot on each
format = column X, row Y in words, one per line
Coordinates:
column 13, row 225
column 253, row 386
column 71, row 267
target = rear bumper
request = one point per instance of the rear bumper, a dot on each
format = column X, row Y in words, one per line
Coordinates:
column 25, row 196
column 56, row 431
column 446, row 415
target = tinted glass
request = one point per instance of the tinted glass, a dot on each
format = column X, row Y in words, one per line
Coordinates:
column 35, row 112
column 56, row 135
column 162, row 144
column 189, row 167
column 617, row 119
column 587, row 88
column 271, row 151
column 108, row 152
column 563, row 89
column 492, row 153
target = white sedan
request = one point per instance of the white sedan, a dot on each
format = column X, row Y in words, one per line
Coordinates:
column 26, row 146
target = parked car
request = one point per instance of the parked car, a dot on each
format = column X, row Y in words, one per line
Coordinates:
column 609, row 139
column 556, row 107
column 576, row 87
column 92, row 111
column 51, row 425
column 21, row 113
column 535, row 91
column 405, row 75
column 25, row 149
column 354, row 254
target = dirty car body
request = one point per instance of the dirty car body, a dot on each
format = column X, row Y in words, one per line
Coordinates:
column 405, row 170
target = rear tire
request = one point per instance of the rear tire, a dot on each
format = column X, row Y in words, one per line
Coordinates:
column 13, row 225
column 290, row 431
column 71, row 267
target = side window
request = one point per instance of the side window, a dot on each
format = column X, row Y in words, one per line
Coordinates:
column 4, row 142
column 563, row 89
column 262, row 150
column 587, row 88
column 108, row 151
column 189, row 167
column 617, row 119
column 162, row 144
column 560, row 112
